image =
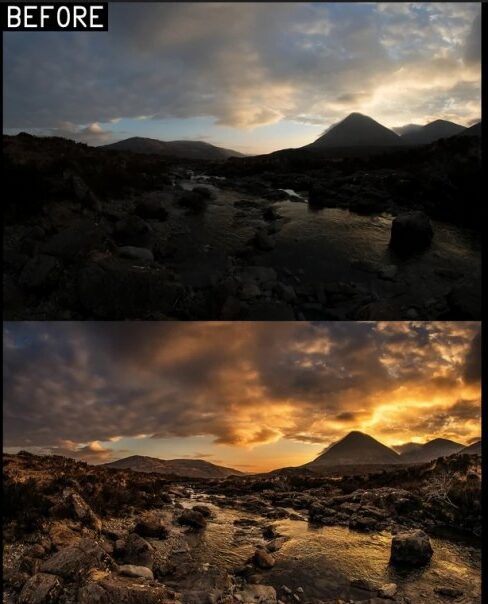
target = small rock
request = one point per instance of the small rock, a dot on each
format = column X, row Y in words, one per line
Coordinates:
column 136, row 253
column 193, row 519
column 130, row 570
column 388, row 590
column 449, row 592
column 263, row 559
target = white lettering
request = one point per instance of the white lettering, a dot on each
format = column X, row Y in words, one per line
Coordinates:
column 65, row 23
column 44, row 13
column 13, row 16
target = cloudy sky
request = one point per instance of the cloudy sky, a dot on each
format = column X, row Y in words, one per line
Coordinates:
column 254, row 396
column 254, row 77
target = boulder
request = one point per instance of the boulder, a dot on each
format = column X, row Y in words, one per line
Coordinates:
column 84, row 194
column 75, row 241
column 40, row 272
column 62, row 536
column 151, row 208
column 194, row 201
column 193, row 519
column 122, row 590
column 130, row 570
column 152, row 526
column 82, row 510
column 42, row 588
column 138, row 551
column 410, row 232
column 133, row 231
column 136, row 253
column 75, row 560
column 411, row 548
column 263, row 242
column 388, row 590
column 258, row 594
column 263, row 559
column 203, row 510
column 114, row 288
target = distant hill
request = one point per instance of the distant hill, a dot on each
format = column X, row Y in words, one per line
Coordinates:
column 181, row 149
column 432, row 132
column 356, row 130
column 474, row 449
column 355, row 449
column 407, row 448
column 439, row 447
column 188, row 468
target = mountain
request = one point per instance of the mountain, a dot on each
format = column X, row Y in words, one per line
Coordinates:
column 401, row 130
column 474, row 130
column 181, row 149
column 474, row 449
column 439, row 447
column 432, row 132
column 357, row 130
column 407, row 448
column 355, row 449
column 188, row 468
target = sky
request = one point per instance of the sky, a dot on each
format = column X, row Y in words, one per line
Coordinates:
column 254, row 77
column 251, row 396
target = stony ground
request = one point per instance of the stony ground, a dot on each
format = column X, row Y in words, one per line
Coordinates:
column 90, row 234
column 84, row 534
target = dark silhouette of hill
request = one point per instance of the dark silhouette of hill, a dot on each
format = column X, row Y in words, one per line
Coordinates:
column 474, row 130
column 189, row 468
column 432, row 132
column 357, row 130
column 182, row 149
column 474, row 449
column 439, row 447
column 355, row 449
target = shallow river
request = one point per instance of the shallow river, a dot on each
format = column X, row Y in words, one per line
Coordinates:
column 322, row 244
column 324, row 560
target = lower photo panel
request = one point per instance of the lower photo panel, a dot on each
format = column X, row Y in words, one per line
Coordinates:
column 242, row 462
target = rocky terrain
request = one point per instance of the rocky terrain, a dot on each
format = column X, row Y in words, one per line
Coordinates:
column 93, row 233
column 88, row 534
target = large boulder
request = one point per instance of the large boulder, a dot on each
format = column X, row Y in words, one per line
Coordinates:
column 40, row 272
column 152, row 526
column 115, row 288
column 83, row 193
column 74, row 241
column 193, row 518
column 411, row 548
column 123, row 590
column 42, row 588
column 75, row 560
column 133, row 230
column 410, row 232
column 81, row 510
column 138, row 551
column 194, row 201
column 151, row 208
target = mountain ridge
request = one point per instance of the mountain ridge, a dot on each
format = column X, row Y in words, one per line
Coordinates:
column 183, row 149
column 188, row 468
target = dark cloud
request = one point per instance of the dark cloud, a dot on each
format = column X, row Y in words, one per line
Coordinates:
column 74, row 385
column 247, row 65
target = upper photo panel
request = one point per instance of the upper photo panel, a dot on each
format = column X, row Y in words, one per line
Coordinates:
column 235, row 161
